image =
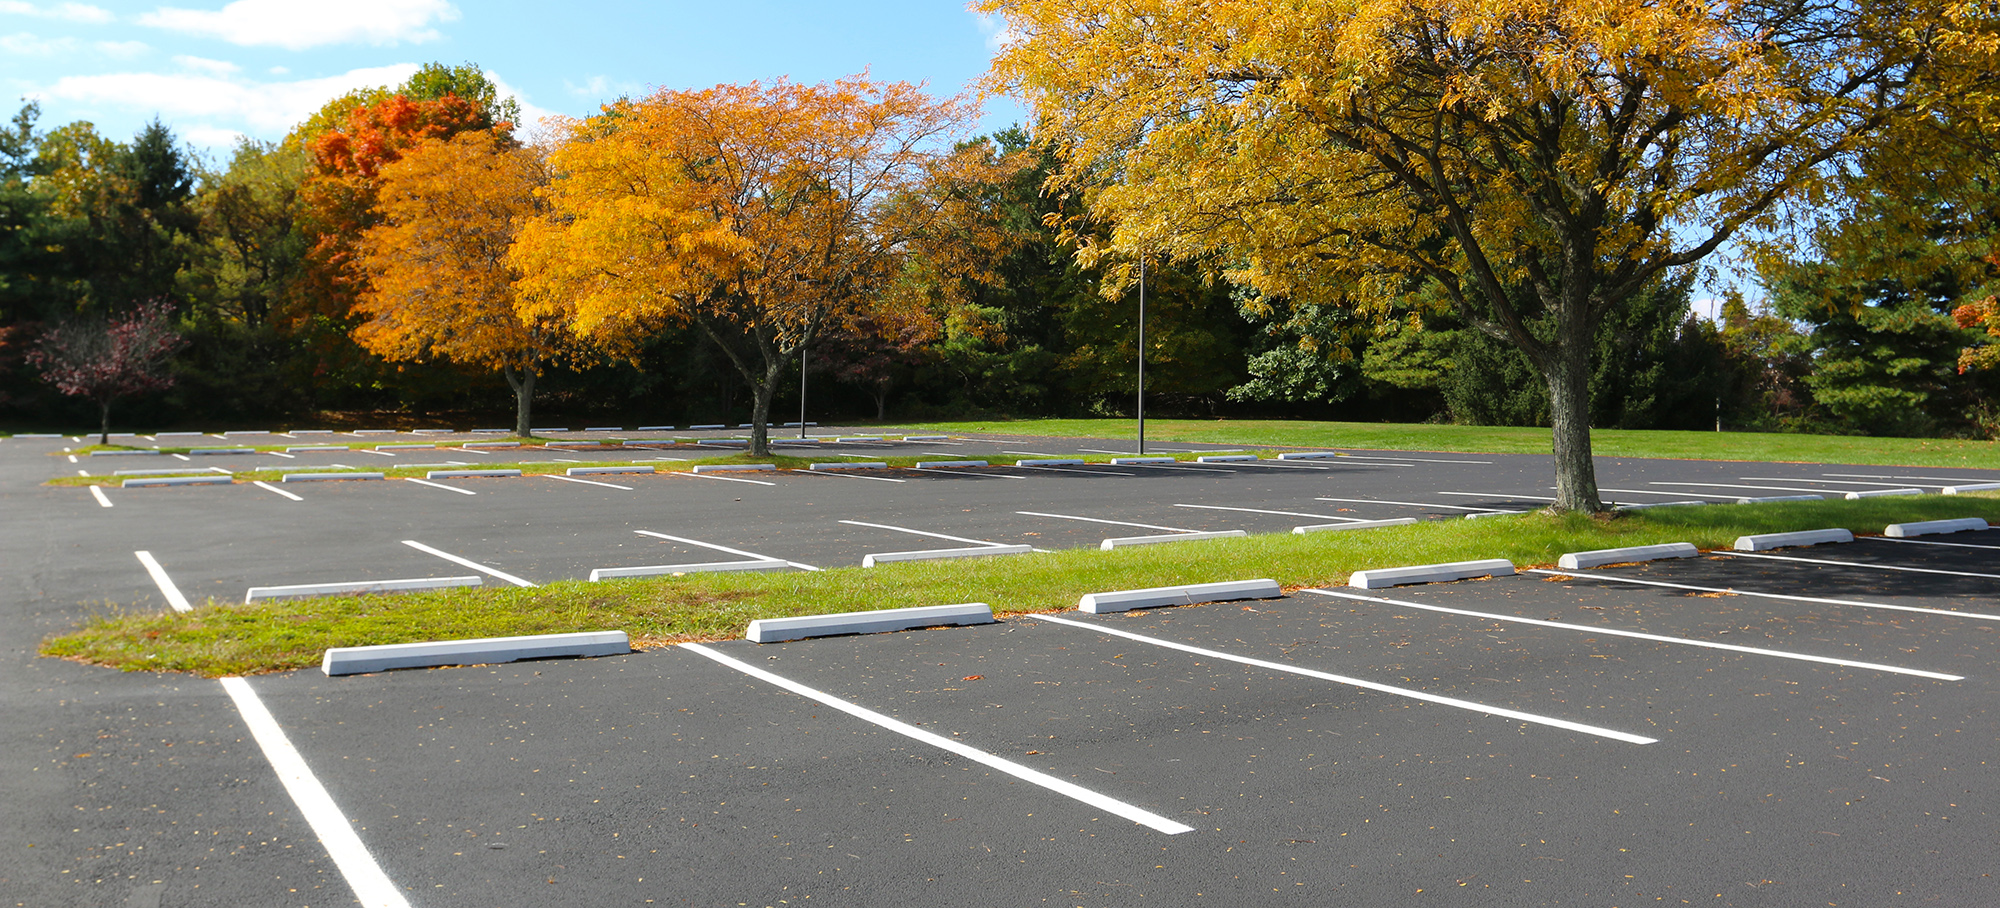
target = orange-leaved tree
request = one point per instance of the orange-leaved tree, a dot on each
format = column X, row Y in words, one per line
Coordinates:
column 1536, row 163
column 437, row 279
column 762, row 214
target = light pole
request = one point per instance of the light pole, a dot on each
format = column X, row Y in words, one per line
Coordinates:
column 802, row 391
column 1142, row 354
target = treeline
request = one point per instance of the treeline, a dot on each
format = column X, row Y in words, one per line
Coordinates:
column 415, row 249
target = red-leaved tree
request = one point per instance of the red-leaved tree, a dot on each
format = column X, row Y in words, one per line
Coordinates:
column 109, row 359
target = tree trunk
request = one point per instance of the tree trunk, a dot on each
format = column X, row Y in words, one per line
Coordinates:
column 523, row 383
column 1568, row 374
column 881, row 394
column 104, row 421
column 760, row 411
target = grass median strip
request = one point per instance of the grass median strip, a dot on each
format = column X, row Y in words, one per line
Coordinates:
column 223, row 638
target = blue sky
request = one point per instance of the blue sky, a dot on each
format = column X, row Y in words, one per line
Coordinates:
column 213, row 71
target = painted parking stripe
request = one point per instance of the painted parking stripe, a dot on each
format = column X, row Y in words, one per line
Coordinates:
column 1724, row 485
column 1181, row 467
column 960, row 473
column 1217, row 507
column 588, row 482
column 852, row 475
column 1955, row 545
column 1412, row 504
column 372, row 888
column 271, row 488
column 164, row 582
column 1638, row 635
column 1069, row 789
column 1668, row 494
column 724, row 548
column 1860, row 564
column 1409, row 459
column 99, row 493
column 1739, row 591
column 754, row 482
column 439, row 485
column 1953, row 480
column 884, row 526
column 1074, row 470
column 1119, row 523
column 1836, row 482
column 467, row 562
column 1357, row 682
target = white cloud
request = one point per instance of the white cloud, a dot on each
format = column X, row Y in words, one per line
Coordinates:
column 530, row 114
column 279, row 70
column 213, row 138
column 205, row 65
column 296, row 26
column 599, row 88
column 71, row 12
column 26, row 45
column 268, row 108
column 998, row 33
column 123, row 50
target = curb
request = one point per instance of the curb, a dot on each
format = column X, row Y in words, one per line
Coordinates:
column 294, row 448
column 175, row 481
column 1226, row 458
column 1782, row 540
column 844, row 465
column 1308, row 455
column 120, row 453
column 1495, row 514
column 777, row 630
column 322, row 477
column 1140, row 461
column 482, row 445
column 1381, row 578
column 1658, row 504
column 407, row 447
column 1882, row 493
column 1931, row 527
column 1358, row 525
column 1116, row 542
column 709, row 567
column 869, row 561
column 1599, row 557
column 309, row 590
column 1186, row 594
column 468, row 474
column 1975, row 487
column 354, row 660
column 604, row 471
column 941, row 464
column 222, row 450
column 1051, row 462
column 926, row 437
column 1781, row 498
column 735, row 467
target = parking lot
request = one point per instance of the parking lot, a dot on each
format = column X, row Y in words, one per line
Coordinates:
column 1800, row 727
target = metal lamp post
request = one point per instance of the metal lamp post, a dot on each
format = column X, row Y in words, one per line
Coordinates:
column 1142, row 354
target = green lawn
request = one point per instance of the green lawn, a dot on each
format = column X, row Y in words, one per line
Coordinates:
column 1915, row 452
column 224, row 638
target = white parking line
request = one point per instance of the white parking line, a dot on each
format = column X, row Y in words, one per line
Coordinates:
column 884, row 526
column 1073, row 470
column 1070, row 789
column 72, row 458
column 282, row 454
column 1836, row 482
column 271, row 488
column 165, row 583
column 1859, row 564
column 371, row 886
column 1955, row 545
column 1119, row 523
column 1413, row 504
column 852, row 475
column 1357, row 682
column 1668, row 494
column 434, row 485
column 1739, row 591
column 99, row 494
column 454, row 559
column 724, row 548
column 1724, row 485
column 1947, row 479
column 372, row 451
column 754, row 482
column 588, row 482
column 1217, row 507
column 963, row 473
column 181, row 456
column 1182, row 467
column 1636, row 635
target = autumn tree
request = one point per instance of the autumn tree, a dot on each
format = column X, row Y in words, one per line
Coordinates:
column 761, row 214
column 104, row 360
column 438, row 283
column 1537, row 162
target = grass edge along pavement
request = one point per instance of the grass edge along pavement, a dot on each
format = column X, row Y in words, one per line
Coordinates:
column 1442, row 438
column 224, row 639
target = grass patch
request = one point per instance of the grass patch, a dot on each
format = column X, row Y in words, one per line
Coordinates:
column 1758, row 446
column 220, row 639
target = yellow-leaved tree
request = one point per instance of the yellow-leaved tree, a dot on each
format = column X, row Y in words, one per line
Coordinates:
column 438, row 279
column 762, row 214
column 1536, row 162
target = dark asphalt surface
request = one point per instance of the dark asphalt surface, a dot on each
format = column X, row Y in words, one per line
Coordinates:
column 667, row 778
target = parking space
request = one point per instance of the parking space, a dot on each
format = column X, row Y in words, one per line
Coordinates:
column 1804, row 728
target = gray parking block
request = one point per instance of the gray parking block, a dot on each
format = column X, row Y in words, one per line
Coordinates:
column 871, row 560
column 470, row 474
column 357, row 588
column 121, row 453
column 1767, row 541
column 735, row 467
column 605, row 471
column 1975, row 487
column 1185, row 594
column 868, row 465
column 1140, row 461
column 1882, row 493
column 1600, row 557
column 1355, row 525
column 1933, row 527
column 1308, row 455
column 175, row 481
column 1119, row 542
column 1781, row 498
column 327, row 477
column 1382, row 578
column 352, row 660
column 1051, row 462
column 1226, row 458
column 775, row 630
column 947, row 464
column 708, row 567
column 222, row 450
